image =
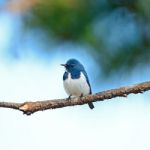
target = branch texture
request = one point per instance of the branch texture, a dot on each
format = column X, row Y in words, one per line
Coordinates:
column 31, row 107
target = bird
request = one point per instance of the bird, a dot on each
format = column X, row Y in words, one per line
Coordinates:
column 75, row 80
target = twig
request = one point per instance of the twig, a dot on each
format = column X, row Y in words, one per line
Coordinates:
column 31, row 107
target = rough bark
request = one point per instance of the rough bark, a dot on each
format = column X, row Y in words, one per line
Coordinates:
column 30, row 107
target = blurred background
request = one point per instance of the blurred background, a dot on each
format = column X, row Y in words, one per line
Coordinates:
column 110, row 37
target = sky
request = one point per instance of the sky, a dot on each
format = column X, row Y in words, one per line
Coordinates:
column 120, row 123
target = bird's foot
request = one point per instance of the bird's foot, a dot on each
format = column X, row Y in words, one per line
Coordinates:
column 69, row 98
column 81, row 95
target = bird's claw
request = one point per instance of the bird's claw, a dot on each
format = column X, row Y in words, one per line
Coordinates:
column 69, row 98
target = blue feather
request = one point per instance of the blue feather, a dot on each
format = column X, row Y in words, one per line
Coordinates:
column 65, row 76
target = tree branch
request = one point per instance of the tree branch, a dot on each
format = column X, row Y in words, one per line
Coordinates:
column 31, row 107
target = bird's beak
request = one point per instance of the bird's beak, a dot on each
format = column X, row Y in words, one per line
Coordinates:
column 63, row 65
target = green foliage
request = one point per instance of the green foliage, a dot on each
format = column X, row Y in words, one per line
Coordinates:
column 66, row 21
column 75, row 20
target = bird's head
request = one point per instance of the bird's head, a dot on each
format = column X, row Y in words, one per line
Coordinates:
column 72, row 65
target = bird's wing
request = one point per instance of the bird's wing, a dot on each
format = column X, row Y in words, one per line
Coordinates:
column 86, row 76
column 65, row 76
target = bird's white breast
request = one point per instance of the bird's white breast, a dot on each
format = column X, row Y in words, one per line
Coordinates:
column 76, row 87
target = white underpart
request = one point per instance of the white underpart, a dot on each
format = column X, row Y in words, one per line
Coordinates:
column 76, row 87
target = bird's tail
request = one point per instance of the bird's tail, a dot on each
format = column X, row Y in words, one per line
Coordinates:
column 91, row 105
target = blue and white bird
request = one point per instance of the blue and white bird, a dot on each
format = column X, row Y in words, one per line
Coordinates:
column 75, row 80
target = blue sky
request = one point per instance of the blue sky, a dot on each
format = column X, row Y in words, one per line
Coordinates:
column 121, row 123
